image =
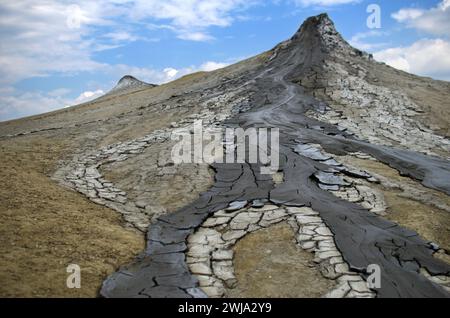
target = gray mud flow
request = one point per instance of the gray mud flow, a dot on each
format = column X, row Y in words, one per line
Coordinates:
column 362, row 237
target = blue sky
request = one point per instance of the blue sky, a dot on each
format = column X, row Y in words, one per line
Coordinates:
column 55, row 53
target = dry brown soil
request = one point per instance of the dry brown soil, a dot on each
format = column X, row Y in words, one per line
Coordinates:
column 45, row 227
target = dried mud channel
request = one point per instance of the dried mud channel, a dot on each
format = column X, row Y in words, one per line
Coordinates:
column 361, row 237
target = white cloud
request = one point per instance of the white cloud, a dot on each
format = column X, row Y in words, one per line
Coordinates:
column 434, row 21
column 191, row 19
column 7, row 90
column 120, row 36
column 170, row 72
column 211, row 66
column 195, row 36
column 20, row 104
column 189, row 14
column 39, row 38
column 36, row 41
column 407, row 14
column 25, row 104
column 445, row 5
column 427, row 57
column 87, row 96
column 359, row 40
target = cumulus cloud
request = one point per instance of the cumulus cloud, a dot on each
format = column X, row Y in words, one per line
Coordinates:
column 427, row 57
column 434, row 21
column 407, row 14
column 43, row 37
column 37, row 40
column 190, row 19
column 360, row 40
column 211, row 66
column 87, row 96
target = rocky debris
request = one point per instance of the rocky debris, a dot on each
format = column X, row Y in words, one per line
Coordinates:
column 259, row 204
column 367, row 197
column 83, row 175
column 374, row 113
column 210, row 249
column 330, row 179
column 237, row 205
column 347, row 183
column 311, row 151
column 441, row 280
